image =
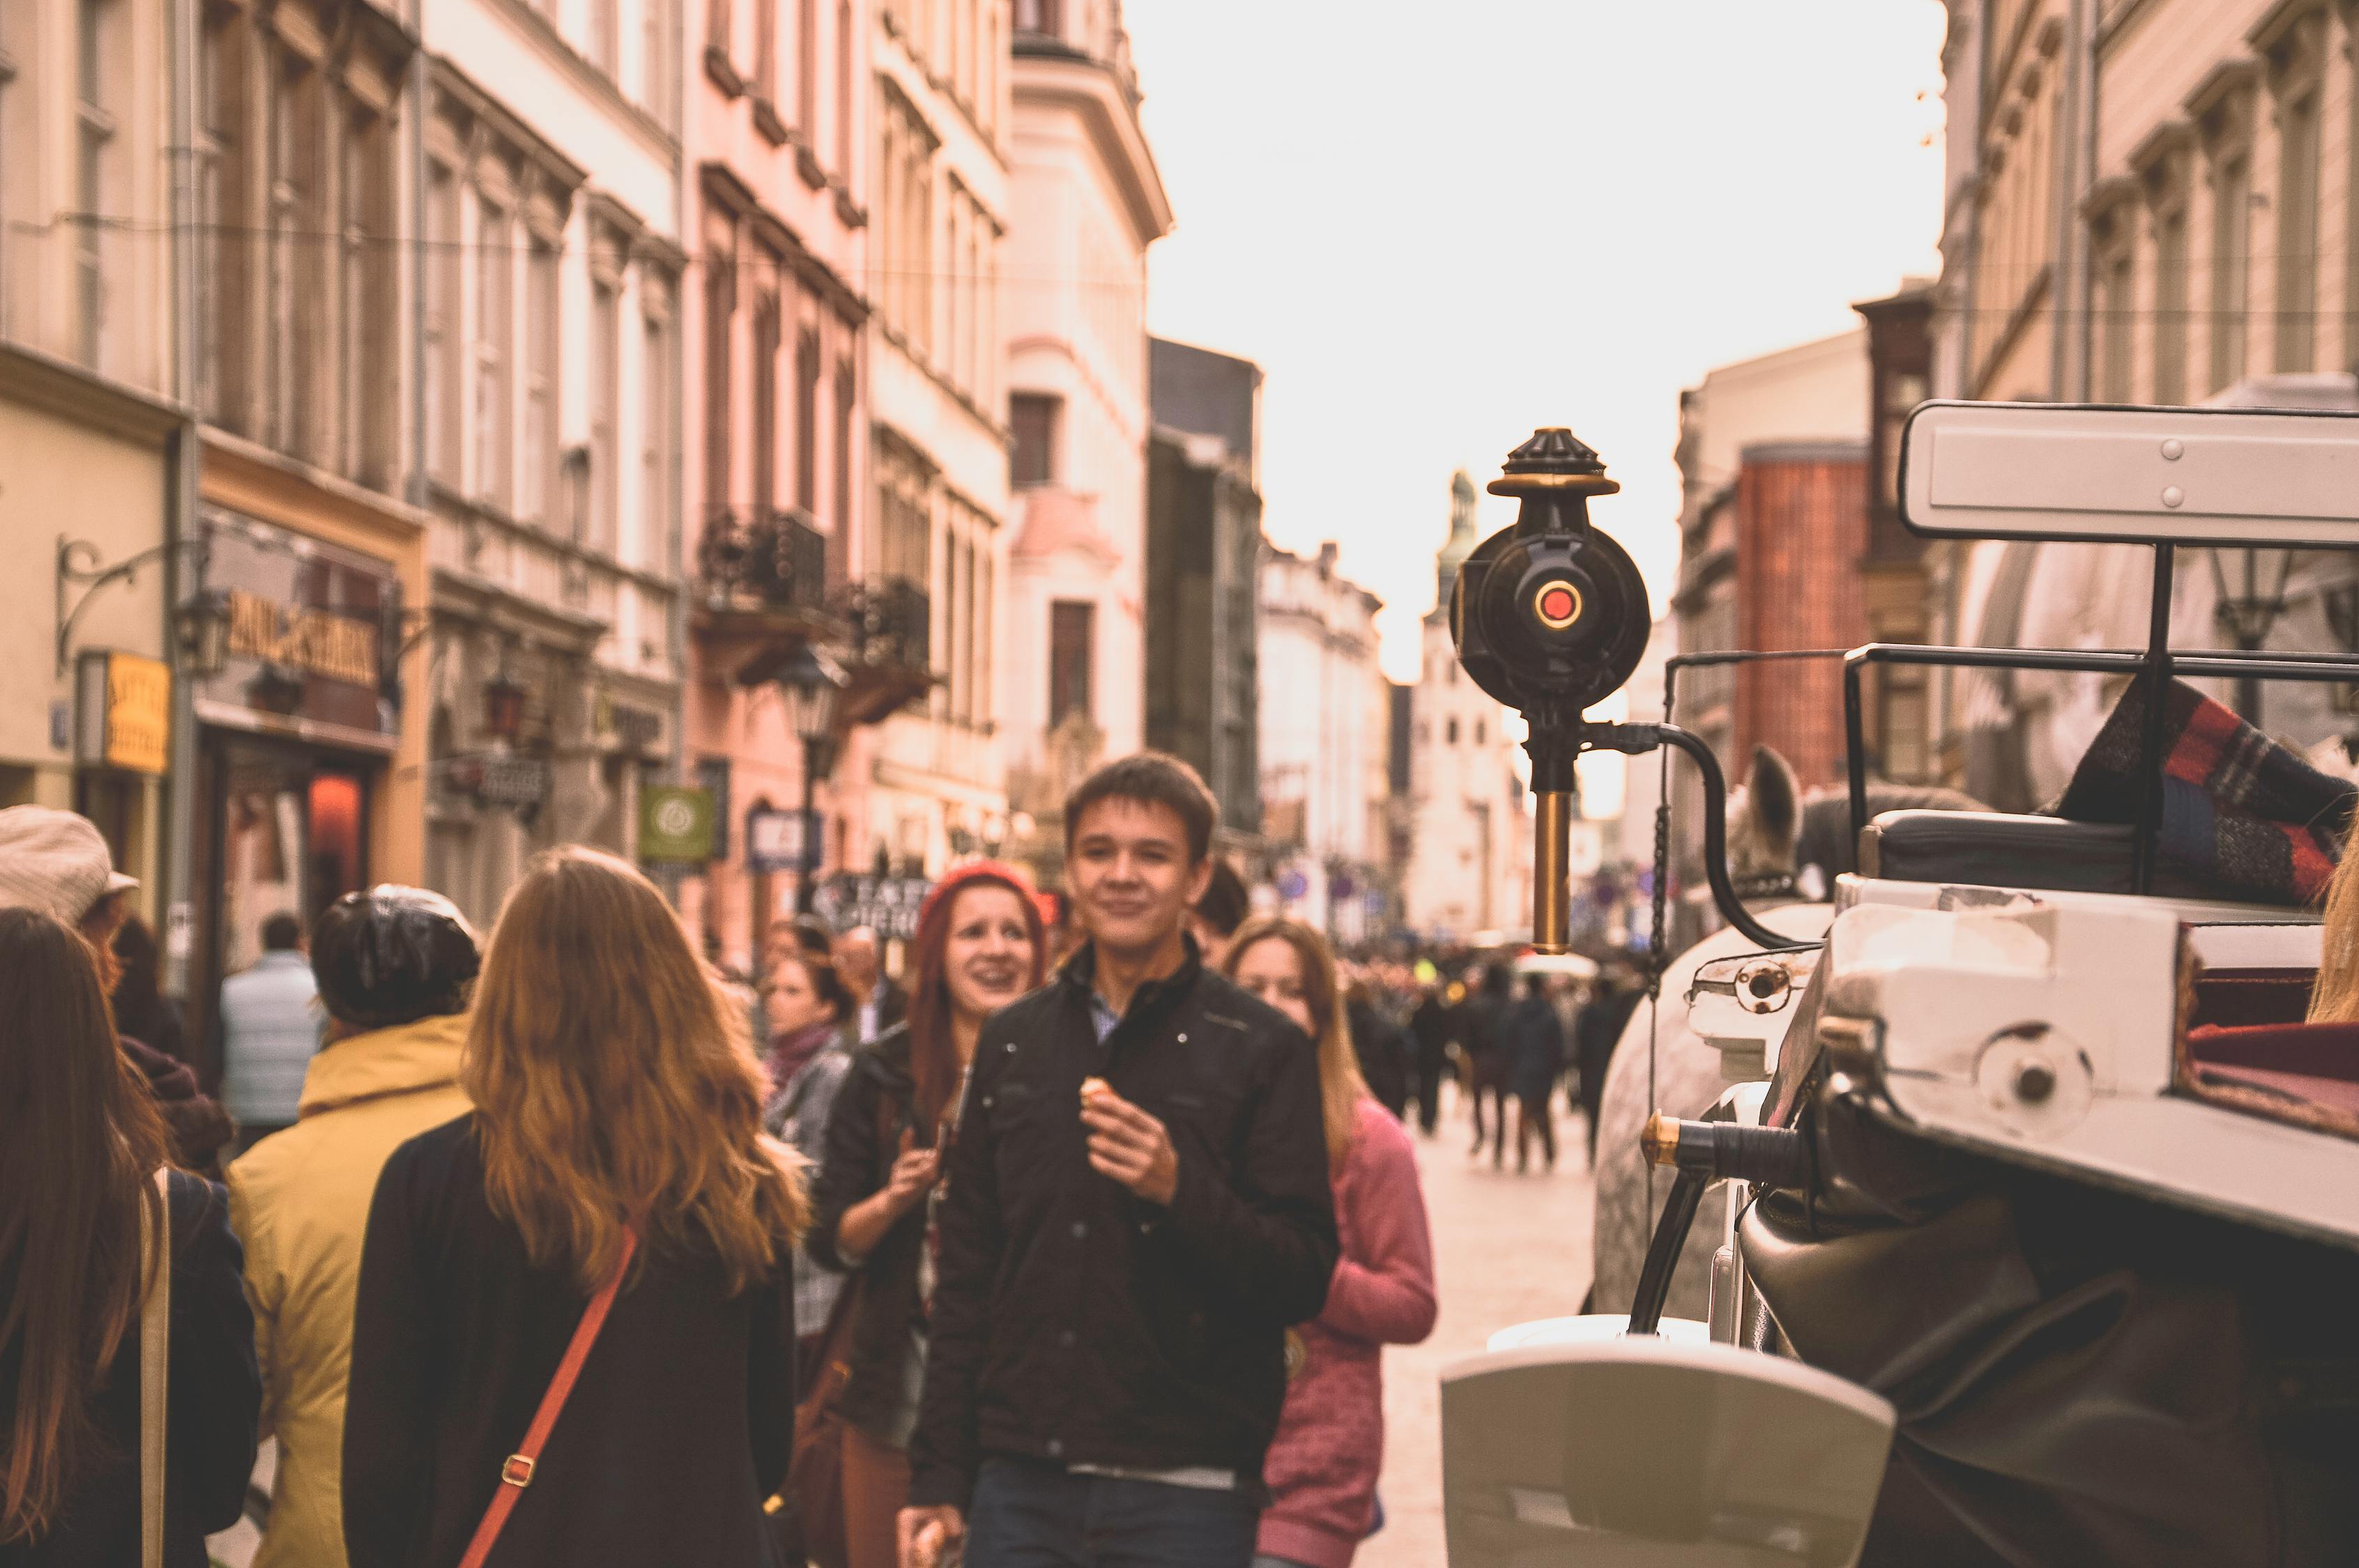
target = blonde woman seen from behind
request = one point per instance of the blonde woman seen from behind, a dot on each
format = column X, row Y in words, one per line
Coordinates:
column 1322, row 1465
column 615, row 1095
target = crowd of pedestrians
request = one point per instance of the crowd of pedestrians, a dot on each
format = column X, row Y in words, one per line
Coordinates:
column 557, row 1247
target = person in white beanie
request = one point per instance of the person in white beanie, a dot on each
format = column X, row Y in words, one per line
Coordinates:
column 57, row 862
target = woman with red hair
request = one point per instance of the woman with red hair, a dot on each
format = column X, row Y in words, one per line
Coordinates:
column 979, row 945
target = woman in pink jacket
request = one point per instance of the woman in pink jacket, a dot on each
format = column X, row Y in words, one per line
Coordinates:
column 1322, row 1465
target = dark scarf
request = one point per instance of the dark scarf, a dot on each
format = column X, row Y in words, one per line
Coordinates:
column 790, row 1054
column 2240, row 812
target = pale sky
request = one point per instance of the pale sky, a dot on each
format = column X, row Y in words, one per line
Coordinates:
column 1437, row 226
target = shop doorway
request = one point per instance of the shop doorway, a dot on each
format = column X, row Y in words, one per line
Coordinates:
column 285, row 830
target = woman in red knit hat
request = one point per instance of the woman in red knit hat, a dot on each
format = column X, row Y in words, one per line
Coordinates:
column 1322, row 1465
column 979, row 945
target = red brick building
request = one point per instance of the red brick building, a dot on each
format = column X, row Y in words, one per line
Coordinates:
column 1801, row 529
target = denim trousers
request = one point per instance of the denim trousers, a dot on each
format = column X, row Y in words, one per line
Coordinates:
column 1032, row 1514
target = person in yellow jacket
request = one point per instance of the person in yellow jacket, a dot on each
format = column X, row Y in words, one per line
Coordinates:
column 395, row 965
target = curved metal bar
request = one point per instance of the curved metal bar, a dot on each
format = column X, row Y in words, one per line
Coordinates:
column 1635, row 737
column 1663, row 1253
column 77, row 562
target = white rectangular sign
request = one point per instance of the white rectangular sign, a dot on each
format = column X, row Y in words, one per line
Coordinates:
column 2041, row 470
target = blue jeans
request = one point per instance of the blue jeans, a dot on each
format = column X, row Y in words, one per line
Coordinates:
column 1030, row 1514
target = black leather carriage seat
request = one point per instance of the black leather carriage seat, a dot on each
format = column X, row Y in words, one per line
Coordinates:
column 2006, row 850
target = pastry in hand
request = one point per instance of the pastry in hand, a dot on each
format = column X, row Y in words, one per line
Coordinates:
column 1093, row 1088
column 926, row 1551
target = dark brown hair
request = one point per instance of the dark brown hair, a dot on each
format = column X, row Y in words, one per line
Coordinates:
column 826, row 981
column 1153, row 778
column 933, row 1057
column 79, row 1140
column 1225, row 903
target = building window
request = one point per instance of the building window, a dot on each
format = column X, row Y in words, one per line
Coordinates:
column 19, row 131
column 445, row 422
column 605, row 34
column 98, row 45
column 2171, row 305
column 766, row 49
column 2116, row 311
column 605, row 410
column 846, row 405
column 369, row 351
column 2230, row 265
column 298, row 295
column 806, row 423
column 1044, row 16
column 1478, row 732
column 1033, row 419
column 844, row 36
column 720, row 305
column 1449, row 732
column 986, row 710
column 223, row 368
column 656, row 68
column 2296, row 337
column 807, row 71
column 1072, row 637
column 633, row 538
column 494, row 321
column 539, row 500
column 767, row 329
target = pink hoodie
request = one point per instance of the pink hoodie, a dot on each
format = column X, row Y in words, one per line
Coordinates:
column 1321, row 1469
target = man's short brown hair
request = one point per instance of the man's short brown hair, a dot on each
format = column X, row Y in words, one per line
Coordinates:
column 1225, row 903
column 1152, row 778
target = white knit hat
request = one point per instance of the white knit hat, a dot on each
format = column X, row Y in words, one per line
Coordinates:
column 55, row 860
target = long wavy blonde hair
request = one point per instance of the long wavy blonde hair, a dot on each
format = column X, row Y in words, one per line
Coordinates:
column 610, row 1081
column 1340, row 1084
column 2335, row 999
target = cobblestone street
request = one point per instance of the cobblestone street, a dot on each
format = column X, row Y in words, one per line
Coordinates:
column 1507, row 1249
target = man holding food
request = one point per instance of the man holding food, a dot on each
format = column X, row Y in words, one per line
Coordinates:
column 1138, row 1207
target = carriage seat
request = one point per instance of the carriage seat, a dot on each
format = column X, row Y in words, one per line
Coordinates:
column 2001, row 848
column 2305, row 1074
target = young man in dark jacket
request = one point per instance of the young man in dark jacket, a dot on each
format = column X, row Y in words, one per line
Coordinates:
column 1138, row 1205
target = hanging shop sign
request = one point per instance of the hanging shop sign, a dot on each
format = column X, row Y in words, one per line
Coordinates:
column 124, row 705
column 307, row 633
column 774, row 840
column 520, row 782
column 676, row 825
column 887, row 905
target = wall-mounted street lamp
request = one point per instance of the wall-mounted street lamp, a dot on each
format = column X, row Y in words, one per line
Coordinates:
column 811, row 684
column 201, row 628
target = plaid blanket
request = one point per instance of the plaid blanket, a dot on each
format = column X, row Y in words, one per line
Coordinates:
column 2239, row 810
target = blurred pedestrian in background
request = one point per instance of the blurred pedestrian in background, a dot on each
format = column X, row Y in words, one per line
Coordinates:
column 979, row 946
column 87, row 1232
column 803, row 935
column 395, row 966
column 879, row 1004
column 1105, row 1364
column 1481, row 1022
column 616, row 1144
column 810, row 1052
column 1597, row 1032
column 140, row 1008
column 1215, row 918
column 1324, row 1465
column 59, row 863
column 1431, row 1030
column 1534, row 1037
column 1382, row 1050
column 270, row 1029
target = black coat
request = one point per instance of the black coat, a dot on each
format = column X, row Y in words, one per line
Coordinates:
column 1383, row 1055
column 679, row 1428
column 864, row 1138
column 1075, row 1322
column 212, row 1397
column 1432, row 1027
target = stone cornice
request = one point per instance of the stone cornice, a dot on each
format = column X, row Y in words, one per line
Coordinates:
column 1089, row 89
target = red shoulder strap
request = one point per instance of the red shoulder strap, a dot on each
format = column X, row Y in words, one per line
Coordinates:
column 516, row 1474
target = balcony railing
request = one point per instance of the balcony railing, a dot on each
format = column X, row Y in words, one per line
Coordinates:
column 888, row 631
column 890, row 620
column 755, row 560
